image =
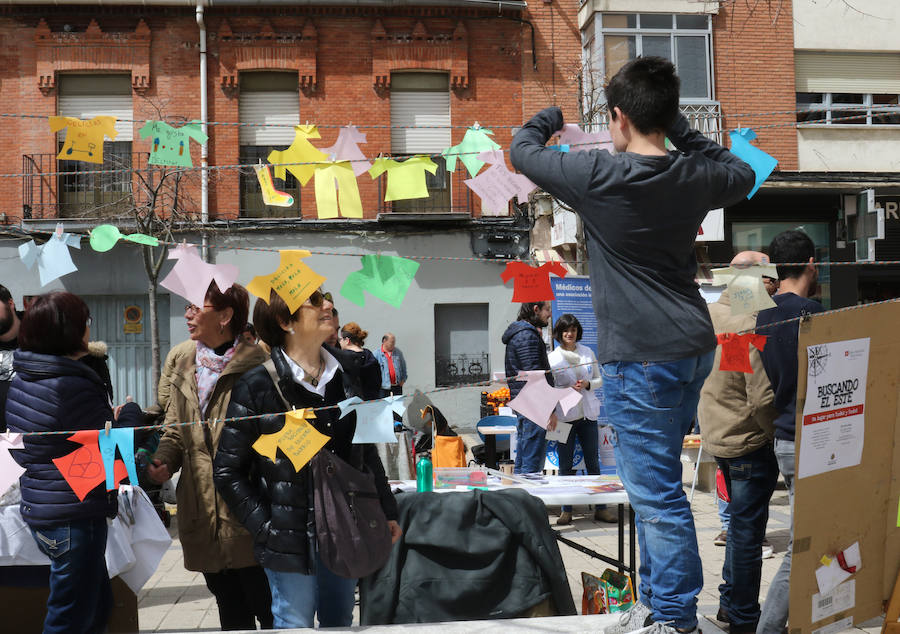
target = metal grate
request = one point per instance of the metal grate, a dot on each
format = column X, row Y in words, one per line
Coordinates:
column 458, row 369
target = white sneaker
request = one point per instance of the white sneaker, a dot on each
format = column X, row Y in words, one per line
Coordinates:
column 767, row 551
column 633, row 619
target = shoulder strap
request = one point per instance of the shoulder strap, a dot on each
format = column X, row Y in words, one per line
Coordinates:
column 269, row 365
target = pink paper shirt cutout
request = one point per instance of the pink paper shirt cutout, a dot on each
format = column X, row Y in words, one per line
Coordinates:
column 580, row 141
column 346, row 148
column 191, row 276
column 497, row 184
column 538, row 399
column 9, row 468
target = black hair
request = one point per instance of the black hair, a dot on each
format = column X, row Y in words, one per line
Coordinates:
column 527, row 312
column 646, row 90
column 5, row 295
column 564, row 323
column 791, row 246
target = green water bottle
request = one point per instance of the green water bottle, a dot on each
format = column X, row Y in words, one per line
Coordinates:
column 424, row 474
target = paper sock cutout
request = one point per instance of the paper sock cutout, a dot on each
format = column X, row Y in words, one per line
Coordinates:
column 270, row 195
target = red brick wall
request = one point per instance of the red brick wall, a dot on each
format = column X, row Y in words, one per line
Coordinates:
column 753, row 46
column 496, row 93
column 558, row 49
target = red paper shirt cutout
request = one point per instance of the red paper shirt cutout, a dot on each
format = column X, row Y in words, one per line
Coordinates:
column 532, row 284
column 736, row 351
column 83, row 468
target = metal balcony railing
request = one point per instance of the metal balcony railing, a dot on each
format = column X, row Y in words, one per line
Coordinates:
column 88, row 193
column 705, row 117
column 459, row 369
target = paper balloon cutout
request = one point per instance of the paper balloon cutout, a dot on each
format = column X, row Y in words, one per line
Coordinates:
column 538, row 399
column 52, row 258
column 763, row 164
column 298, row 440
column 387, row 277
column 84, row 137
column 271, row 196
column 532, row 284
column 9, row 468
column 580, row 141
column 191, row 276
column 746, row 290
column 104, row 238
column 374, row 419
column 736, row 351
column 475, row 141
column 294, row 281
column 83, row 468
column 496, row 185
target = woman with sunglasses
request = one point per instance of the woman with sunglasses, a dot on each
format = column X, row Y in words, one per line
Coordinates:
column 272, row 498
column 196, row 384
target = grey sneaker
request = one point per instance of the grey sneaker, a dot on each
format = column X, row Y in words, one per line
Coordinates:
column 664, row 628
column 635, row 618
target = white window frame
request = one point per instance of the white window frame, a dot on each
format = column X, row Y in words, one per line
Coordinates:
column 828, row 106
column 638, row 32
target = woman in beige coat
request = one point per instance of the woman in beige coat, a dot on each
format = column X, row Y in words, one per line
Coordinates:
column 195, row 385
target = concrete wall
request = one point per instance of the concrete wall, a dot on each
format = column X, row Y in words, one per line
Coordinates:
column 849, row 149
column 860, row 25
column 119, row 272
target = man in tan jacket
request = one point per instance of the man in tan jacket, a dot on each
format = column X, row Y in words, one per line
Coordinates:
column 736, row 425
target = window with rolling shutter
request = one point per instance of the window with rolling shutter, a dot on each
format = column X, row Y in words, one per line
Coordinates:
column 862, row 73
column 420, row 124
column 269, row 108
column 89, row 194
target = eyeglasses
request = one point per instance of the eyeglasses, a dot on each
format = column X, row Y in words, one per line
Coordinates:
column 193, row 309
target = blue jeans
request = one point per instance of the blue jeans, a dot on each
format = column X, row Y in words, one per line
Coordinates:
column 651, row 406
column 750, row 481
column 588, row 435
column 80, row 595
column 298, row 598
column 775, row 610
column 724, row 513
column 531, row 446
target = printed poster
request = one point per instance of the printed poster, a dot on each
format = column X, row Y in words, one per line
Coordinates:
column 833, row 416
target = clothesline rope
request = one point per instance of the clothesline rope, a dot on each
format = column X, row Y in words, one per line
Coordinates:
column 248, row 166
column 488, row 383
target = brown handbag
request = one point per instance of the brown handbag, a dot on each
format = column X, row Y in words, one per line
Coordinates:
column 352, row 531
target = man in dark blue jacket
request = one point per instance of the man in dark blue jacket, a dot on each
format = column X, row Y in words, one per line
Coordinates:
column 779, row 358
column 525, row 350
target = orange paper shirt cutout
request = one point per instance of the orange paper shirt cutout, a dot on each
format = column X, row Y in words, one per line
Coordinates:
column 736, row 351
column 83, row 468
column 532, row 284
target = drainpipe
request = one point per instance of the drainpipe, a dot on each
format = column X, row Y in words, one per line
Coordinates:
column 204, row 147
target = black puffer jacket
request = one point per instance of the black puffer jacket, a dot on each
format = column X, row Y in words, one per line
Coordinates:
column 525, row 350
column 271, row 499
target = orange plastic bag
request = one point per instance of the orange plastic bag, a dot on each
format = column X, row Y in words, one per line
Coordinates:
column 449, row 452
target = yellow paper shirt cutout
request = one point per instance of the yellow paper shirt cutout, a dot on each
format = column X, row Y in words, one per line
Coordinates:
column 84, row 137
column 294, row 281
column 298, row 440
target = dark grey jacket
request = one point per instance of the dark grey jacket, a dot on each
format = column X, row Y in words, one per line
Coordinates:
column 525, row 350
column 641, row 215
column 467, row 556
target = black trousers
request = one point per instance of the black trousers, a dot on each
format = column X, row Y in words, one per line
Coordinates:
column 243, row 597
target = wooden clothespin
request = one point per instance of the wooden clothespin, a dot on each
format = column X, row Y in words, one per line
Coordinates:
column 477, row 126
column 107, row 427
column 59, row 230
